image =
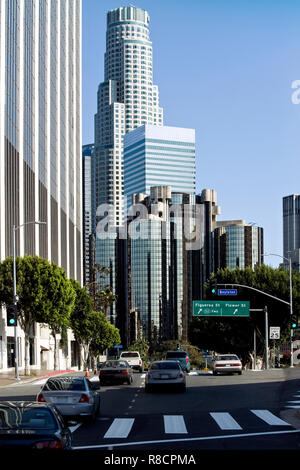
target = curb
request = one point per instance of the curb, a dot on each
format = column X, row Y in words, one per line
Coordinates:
column 39, row 377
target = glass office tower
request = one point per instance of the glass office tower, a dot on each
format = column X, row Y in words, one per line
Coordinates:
column 237, row 244
column 159, row 156
column 291, row 228
column 126, row 99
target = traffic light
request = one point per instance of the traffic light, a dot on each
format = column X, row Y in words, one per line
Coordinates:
column 294, row 321
column 10, row 315
column 178, row 346
column 214, row 286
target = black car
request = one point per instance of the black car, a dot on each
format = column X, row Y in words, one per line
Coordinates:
column 32, row 425
column 115, row 371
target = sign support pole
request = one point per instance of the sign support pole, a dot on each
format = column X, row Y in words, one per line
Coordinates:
column 267, row 339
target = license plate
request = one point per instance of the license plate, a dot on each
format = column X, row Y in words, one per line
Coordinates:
column 228, row 365
column 63, row 400
column 164, row 376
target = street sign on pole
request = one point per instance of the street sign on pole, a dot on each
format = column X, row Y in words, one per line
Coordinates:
column 221, row 308
column 274, row 332
column 227, row 291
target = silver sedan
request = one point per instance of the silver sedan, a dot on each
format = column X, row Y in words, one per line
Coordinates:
column 165, row 373
column 75, row 396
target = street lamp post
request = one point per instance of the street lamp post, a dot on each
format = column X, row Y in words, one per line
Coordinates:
column 291, row 299
column 15, row 296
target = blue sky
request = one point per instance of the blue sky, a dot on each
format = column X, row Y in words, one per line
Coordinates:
column 224, row 68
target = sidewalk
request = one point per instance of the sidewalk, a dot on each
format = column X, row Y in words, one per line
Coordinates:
column 8, row 378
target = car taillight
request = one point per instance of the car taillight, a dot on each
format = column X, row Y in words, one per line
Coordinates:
column 140, row 362
column 48, row 445
column 84, row 398
column 220, row 365
column 41, row 398
column 148, row 375
column 187, row 360
column 181, row 374
column 236, row 364
column 125, row 372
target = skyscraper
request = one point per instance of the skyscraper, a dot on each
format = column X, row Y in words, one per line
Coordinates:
column 291, row 228
column 126, row 99
column 40, row 129
column 159, row 156
column 40, row 139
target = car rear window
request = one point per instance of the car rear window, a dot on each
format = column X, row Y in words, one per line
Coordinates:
column 63, row 384
column 227, row 358
column 176, row 354
column 26, row 418
column 130, row 354
column 164, row 365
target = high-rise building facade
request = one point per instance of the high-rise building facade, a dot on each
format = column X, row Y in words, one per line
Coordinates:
column 40, row 134
column 159, row 156
column 126, row 100
column 291, row 228
column 40, row 129
column 88, row 206
column 237, row 244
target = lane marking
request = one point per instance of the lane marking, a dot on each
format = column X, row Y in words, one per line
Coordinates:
column 225, row 421
column 174, row 424
column 120, row 427
column 73, row 428
column 269, row 418
column 191, row 439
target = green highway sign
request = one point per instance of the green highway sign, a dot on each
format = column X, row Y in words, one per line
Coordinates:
column 221, row 308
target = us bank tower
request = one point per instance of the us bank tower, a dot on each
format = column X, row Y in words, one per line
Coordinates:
column 126, row 99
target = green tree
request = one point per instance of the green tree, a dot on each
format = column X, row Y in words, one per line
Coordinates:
column 82, row 318
column 105, row 335
column 45, row 294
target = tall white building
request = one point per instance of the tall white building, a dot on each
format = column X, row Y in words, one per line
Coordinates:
column 126, row 99
column 40, row 131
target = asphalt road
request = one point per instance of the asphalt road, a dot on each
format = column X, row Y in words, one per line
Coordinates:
column 233, row 413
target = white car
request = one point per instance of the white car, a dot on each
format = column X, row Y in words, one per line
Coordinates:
column 133, row 358
column 227, row 364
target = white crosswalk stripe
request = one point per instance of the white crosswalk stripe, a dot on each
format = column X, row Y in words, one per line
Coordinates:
column 174, row 424
column 270, row 418
column 225, row 421
column 119, row 428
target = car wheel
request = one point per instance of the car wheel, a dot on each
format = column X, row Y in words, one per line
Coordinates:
column 214, row 372
column 240, row 372
column 183, row 388
column 147, row 388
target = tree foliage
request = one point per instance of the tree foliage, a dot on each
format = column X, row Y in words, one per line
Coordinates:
column 45, row 294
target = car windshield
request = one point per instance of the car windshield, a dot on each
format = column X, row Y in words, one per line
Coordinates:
column 115, row 364
column 26, row 418
column 130, row 354
column 176, row 355
column 164, row 365
column 227, row 358
column 64, row 383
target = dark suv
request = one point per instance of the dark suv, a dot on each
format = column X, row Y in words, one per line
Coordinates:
column 182, row 357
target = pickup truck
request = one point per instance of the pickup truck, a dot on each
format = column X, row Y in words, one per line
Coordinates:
column 133, row 358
